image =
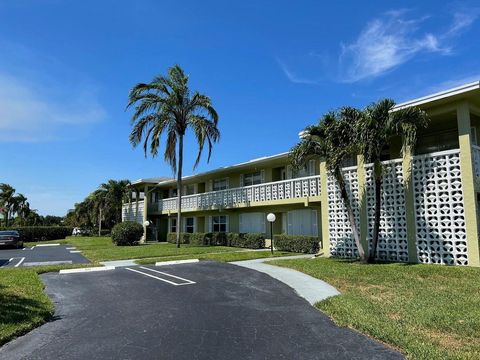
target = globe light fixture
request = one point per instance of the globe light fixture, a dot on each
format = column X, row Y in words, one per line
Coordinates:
column 271, row 218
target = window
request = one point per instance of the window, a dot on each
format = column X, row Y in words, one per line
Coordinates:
column 220, row 184
column 302, row 222
column 173, row 192
column 154, row 197
column 173, row 225
column 190, row 189
column 252, row 178
column 190, row 225
column 219, row 223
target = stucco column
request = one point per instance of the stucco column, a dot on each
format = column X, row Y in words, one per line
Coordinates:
column 324, row 209
column 468, row 183
column 362, row 196
column 409, row 205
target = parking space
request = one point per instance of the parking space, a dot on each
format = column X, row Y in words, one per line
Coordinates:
column 44, row 254
column 206, row 310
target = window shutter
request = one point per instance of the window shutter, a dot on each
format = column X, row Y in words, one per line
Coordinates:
column 264, row 223
column 210, row 185
column 241, row 180
column 289, row 172
column 227, row 181
column 240, row 222
column 262, row 176
column 227, row 226
column 311, row 167
column 209, row 224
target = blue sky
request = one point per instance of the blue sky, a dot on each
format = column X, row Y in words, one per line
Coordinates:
column 271, row 68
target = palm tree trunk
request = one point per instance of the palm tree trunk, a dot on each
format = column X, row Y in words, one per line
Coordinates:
column 351, row 216
column 179, row 187
column 378, row 203
column 100, row 222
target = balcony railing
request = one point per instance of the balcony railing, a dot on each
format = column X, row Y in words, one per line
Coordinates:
column 476, row 159
column 278, row 190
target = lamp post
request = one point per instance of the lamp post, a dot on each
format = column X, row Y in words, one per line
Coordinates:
column 271, row 218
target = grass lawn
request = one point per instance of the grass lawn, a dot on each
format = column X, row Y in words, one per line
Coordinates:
column 426, row 311
column 223, row 257
column 23, row 303
column 102, row 249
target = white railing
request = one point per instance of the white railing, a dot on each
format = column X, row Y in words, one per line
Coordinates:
column 476, row 159
column 278, row 190
column 130, row 213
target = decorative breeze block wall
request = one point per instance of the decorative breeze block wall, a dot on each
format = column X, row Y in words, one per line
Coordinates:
column 392, row 240
column 342, row 243
column 129, row 212
column 439, row 209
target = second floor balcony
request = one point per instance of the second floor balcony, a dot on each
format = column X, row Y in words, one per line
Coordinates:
column 302, row 189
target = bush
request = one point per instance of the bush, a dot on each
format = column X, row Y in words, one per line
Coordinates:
column 246, row 240
column 127, row 233
column 41, row 233
column 184, row 238
column 297, row 243
column 250, row 241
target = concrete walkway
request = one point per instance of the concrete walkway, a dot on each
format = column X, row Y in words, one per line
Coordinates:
column 311, row 289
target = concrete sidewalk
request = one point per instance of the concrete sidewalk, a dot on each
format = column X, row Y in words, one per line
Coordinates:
column 311, row 289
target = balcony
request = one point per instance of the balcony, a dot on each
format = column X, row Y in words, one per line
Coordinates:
column 277, row 192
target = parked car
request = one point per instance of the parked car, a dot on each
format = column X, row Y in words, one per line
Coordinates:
column 11, row 238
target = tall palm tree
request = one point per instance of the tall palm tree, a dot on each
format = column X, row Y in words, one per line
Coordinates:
column 333, row 140
column 7, row 194
column 376, row 128
column 166, row 105
column 99, row 202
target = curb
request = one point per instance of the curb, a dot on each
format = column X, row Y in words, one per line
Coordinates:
column 85, row 270
column 176, row 262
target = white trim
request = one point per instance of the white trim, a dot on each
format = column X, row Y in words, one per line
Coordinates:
column 439, row 95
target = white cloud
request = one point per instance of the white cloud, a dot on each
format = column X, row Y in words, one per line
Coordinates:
column 392, row 40
column 30, row 112
column 294, row 78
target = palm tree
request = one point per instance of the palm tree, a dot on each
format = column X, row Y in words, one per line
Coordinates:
column 21, row 206
column 333, row 140
column 116, row 192
column 99, row 201
column 376, row 128
column 166, row 105
column 7, row 193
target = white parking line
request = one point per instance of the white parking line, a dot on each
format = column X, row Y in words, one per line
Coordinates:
column 166, row 274
column 20, row 262
column 71, row 248
column 45, row 245
column 159, row 278
column 74, row 251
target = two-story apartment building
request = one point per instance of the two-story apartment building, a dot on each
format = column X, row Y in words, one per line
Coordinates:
column 233, row 199
column 430, row 197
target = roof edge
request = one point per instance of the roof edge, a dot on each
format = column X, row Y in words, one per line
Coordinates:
column 439, row 95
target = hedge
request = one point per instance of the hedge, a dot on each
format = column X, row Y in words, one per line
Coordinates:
column 41, row 233
column 297, row 243
column 247, row 240
column 127, row 233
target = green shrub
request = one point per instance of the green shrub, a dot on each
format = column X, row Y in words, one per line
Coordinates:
column 216, row 239
column 41, row 233
column 127, row 233
column 246, row 240
column 297, row 243
column 184, row 238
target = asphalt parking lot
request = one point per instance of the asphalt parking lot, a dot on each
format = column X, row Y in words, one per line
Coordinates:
column 46, row 254
column 206, row 310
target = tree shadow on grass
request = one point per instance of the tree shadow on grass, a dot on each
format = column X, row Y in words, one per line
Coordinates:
column 20, row 314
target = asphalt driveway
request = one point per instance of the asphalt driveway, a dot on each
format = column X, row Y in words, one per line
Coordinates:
column 205, row 310
column 41, row 255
